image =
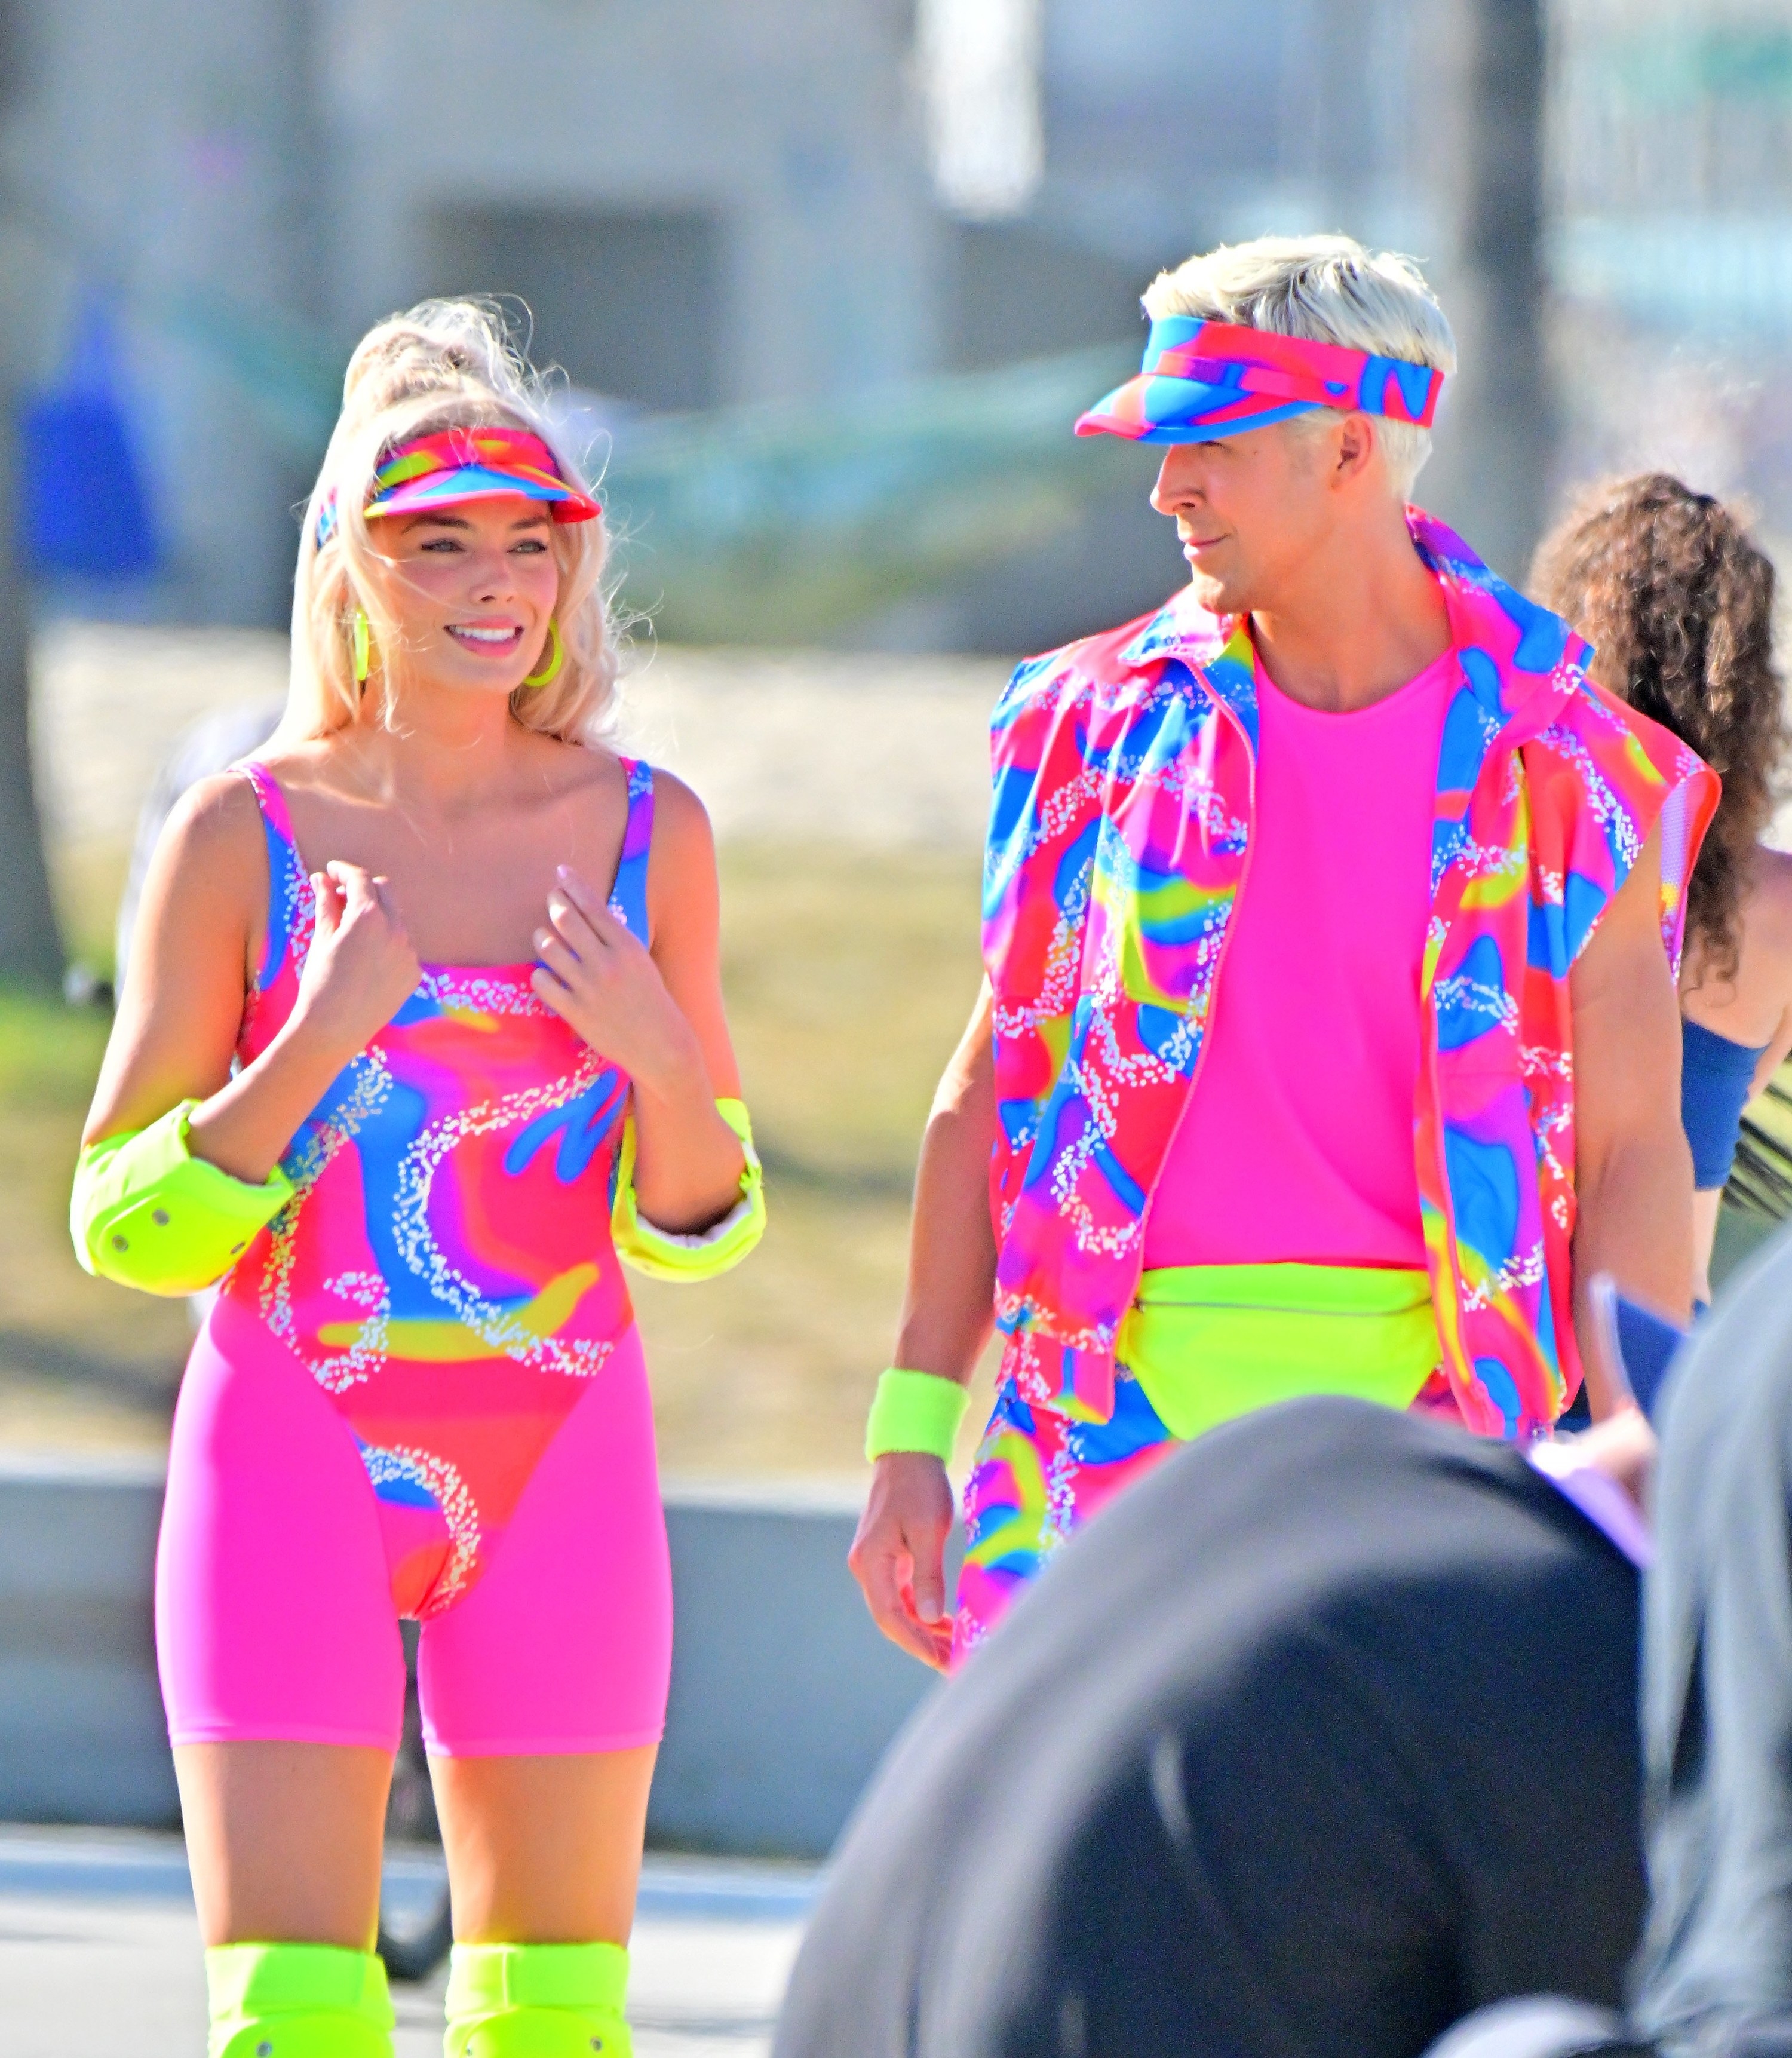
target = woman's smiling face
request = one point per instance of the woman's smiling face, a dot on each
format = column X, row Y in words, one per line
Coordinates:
column 471, row 586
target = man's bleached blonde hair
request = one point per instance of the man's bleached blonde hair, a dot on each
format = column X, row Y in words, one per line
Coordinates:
column 445, row 365
column 1330, row 289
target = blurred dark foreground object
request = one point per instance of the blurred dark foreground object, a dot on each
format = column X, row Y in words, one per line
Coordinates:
column 1324, row 1735
column 1713, row 1976
column 1540, row 2026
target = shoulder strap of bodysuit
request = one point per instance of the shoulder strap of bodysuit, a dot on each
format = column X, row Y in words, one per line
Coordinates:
column 628, row 897
column 289, row 901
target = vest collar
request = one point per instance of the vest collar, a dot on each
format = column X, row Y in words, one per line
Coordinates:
column 1520, row 662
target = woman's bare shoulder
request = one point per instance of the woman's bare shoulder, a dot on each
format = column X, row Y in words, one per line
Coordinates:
column 206, row 886
column 554, row 769
column 1767, row 909
column 1747, row 1007
column 216, row 820
column 684, row 843
column 683, row 814
column 683, row 890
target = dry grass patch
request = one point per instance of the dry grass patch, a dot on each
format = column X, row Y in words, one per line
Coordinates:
column 80, row 1361
column 849, row 976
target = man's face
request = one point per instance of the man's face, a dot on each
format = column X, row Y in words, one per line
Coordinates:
column 1251, row 509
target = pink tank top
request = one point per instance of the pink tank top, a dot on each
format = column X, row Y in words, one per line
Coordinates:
column 1297, row 1144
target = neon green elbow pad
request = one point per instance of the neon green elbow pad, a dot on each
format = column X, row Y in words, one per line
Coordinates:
column 661, row 1253
column 147, row 1213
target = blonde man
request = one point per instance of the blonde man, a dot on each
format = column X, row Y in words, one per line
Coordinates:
column 1328, row 1039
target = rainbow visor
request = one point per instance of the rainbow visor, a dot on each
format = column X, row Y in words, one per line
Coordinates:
column 1202, row 379
column 475, row 464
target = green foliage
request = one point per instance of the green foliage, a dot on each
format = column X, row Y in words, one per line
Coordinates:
column 1665, row 67
column 849, row 976
column 779, row 524
column 80, row 1361
column 782, row 522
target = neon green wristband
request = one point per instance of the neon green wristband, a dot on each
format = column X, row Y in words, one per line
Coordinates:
column 915, row 1411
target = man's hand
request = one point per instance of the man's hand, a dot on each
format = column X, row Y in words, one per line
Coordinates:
column 899, row 1555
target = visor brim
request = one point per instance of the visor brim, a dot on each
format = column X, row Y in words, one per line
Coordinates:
column 1149, row 409
column 447, row 489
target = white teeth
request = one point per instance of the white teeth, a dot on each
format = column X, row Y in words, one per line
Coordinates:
column 485, row 635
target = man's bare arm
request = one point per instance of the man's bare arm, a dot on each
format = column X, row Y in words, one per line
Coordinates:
column 1633, row 1169
column 898, row 1557
column 946, row 1309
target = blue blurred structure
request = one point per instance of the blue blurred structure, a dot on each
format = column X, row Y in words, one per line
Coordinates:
column 85, row 506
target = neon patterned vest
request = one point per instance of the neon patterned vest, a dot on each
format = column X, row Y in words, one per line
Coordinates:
column 1120, row 834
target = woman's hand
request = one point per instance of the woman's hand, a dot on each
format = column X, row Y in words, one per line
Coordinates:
column 181, row 1010
column 360, row 969
column 601, row 979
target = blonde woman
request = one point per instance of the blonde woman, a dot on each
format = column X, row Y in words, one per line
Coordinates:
column 424, row 1025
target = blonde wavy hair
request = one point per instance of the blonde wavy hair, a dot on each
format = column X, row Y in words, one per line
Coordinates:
column 444, row 365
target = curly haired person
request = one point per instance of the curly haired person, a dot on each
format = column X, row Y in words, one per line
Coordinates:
column 1678, row 601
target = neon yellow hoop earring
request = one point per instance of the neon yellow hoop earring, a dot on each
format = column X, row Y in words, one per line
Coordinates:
column 361, row 637
column 551, row 670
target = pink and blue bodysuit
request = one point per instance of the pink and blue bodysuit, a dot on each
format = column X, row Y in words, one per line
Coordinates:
column 420, row 1393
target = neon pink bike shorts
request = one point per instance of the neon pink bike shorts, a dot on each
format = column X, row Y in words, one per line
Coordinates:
column 275, row 1616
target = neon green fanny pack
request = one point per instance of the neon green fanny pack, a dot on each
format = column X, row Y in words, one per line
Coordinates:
column 1207, row 1342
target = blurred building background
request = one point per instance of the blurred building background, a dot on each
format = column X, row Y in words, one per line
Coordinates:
column 806, row 209
column 828, row 283
column 812, row 205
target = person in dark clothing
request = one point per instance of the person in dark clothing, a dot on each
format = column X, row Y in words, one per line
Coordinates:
column 1323, row 1735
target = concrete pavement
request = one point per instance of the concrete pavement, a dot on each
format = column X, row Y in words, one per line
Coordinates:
column 99, row 1952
